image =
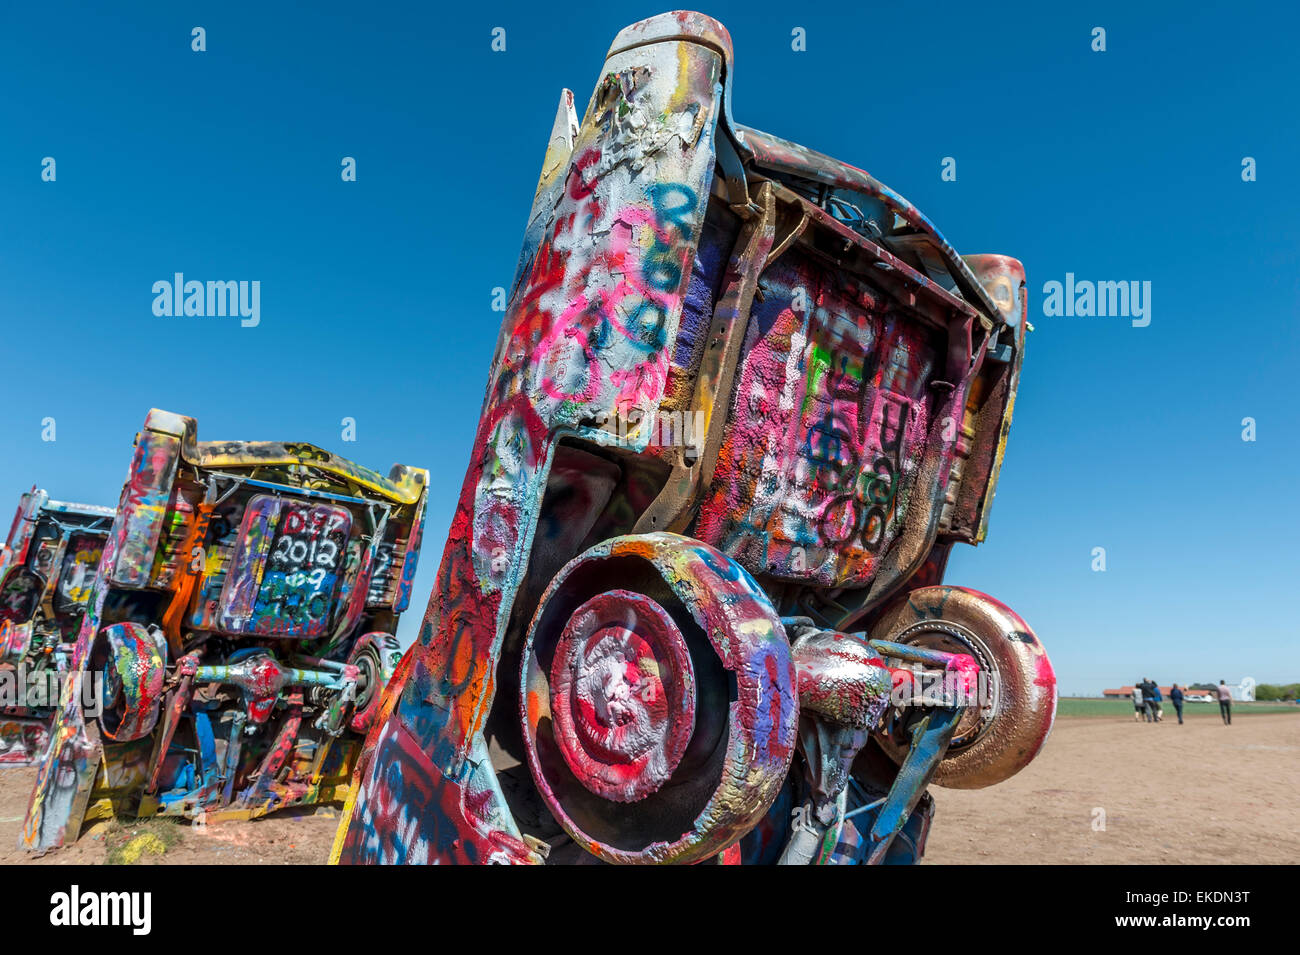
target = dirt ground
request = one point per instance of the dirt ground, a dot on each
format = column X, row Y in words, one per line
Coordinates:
column 286, row 838
column 1197, row 793
column 1104, row 790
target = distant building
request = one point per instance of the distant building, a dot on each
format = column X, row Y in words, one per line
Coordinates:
column 1243, row 692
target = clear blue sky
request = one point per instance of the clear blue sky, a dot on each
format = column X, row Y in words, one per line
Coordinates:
column 376, row 294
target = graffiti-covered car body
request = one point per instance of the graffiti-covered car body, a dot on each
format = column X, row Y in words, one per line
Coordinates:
column 238, row 635
column 47, row 568
column 744, row 400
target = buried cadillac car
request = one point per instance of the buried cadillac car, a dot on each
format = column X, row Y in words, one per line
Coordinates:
column 47, row 568
column 239, row 631
column 732, row 646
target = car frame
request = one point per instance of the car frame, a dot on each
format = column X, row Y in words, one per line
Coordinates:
column 731, row 643
column 47, row 570
column 239, row 634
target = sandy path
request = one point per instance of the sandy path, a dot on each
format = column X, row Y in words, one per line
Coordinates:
column 1201, row 792
column 275, row 840
column 1196, row 793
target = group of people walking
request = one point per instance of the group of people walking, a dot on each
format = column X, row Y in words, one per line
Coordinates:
column 1147, row 700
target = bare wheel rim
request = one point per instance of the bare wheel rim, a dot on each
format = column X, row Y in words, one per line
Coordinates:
column 949, row 637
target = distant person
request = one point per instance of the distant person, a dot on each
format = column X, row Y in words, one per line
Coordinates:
column 1176, row 698
column 1150, row 692
column 1225, row 703
column 1139, row 708
column 1158, row 698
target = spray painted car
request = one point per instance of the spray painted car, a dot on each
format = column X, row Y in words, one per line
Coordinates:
column 47, row 568
column 238, row 635
column 744, row 401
